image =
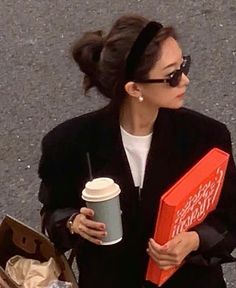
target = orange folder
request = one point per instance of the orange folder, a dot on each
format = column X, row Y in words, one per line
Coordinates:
column 187, row 203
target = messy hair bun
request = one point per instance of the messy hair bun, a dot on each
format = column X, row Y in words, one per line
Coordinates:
column 86, row 53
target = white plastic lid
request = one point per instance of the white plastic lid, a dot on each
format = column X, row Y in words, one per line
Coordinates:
column 100, row 189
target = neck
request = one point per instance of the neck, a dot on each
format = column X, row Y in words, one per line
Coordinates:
column 137, row 118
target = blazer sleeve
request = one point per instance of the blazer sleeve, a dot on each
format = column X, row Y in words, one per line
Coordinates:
column 61, row 173
column 217, row 232
column 54, row 224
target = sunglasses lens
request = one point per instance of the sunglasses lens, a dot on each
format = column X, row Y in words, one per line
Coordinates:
column 174, row 81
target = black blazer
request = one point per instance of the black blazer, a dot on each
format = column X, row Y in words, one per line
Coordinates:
column 180, row 138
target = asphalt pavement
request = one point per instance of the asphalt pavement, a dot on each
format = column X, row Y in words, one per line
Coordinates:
column 40, row 86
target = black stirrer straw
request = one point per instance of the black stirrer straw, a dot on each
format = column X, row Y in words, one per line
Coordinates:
column 89, row 166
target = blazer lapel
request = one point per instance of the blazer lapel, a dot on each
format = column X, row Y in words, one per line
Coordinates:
column 161, row 152
column 163, row 164
column 108, row 154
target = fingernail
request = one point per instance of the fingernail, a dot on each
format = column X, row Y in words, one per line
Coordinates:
column 147, row 250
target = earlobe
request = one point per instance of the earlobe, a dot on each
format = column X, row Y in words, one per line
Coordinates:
column 133, row 89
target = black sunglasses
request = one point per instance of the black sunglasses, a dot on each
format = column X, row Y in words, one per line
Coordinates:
column 175, row 77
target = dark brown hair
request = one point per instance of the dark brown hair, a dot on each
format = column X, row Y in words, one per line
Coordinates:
column 103, row 59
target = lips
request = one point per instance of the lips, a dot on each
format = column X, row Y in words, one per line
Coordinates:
column 180, row 95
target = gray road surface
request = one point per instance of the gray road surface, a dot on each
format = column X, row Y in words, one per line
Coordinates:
column 41, row 86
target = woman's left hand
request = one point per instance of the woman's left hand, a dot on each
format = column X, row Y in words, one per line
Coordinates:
column 174, row 251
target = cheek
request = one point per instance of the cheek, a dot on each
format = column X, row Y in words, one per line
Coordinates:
column 163, row 97
column 154, row 90
column 158, row 93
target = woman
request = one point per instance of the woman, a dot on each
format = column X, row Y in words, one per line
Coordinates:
column 145, row 141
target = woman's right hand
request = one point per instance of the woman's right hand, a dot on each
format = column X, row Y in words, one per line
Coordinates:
column 87, row 228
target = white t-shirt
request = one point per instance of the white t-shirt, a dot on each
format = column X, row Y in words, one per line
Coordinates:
column 136, row 148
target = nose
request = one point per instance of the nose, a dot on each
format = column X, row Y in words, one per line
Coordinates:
column 184, row 80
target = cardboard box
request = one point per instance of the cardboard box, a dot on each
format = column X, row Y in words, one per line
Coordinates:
column 17, row 238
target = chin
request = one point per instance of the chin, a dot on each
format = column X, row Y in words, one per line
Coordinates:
column 176, row 105
column 179, row 103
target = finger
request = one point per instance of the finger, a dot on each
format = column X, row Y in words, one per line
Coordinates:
column 87, row 222
column 89, row 238
column 175, row 257
column 91, row 232
column 158, row 256
column 93, row 224
column 87, row 212
column 83, row 225
column 80, row 224
column 165, row 265
column 158, row 248
column 168, row 267
column 162, row 263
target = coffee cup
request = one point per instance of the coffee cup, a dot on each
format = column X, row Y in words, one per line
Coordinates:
column 102, row 196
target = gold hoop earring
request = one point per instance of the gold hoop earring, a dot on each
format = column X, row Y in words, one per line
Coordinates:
column 140, row 99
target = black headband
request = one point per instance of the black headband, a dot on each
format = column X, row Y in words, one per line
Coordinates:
column 139, row 46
